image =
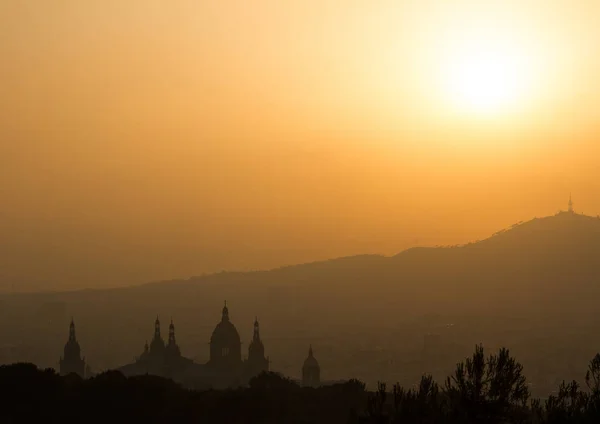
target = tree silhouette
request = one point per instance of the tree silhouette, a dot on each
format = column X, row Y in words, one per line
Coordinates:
column 592, row 379
column 569, row 405
column 272, row 380
column 376, row 406
column 423, row 405
column 487, row 390
column 481, row 390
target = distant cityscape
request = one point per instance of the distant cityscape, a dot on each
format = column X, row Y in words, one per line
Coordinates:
column 224, row 369
column 424, row 333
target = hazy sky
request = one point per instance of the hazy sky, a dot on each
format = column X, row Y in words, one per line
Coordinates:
column 146, row 139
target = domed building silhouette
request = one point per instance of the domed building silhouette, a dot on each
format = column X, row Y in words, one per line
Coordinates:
column 225, row 344
column 311, row 371
column 225, row 362
column 225, row 368
column 71, row 361
column 158, row 359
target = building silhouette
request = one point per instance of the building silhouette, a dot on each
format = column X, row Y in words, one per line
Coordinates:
column 71, row 361
column 172, row 350
column 158, row 358
column 256, row 362
column 157, row 347
column 311, row 371
column 225, row 368
column 226, row 350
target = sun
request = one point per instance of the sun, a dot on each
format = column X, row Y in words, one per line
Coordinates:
column 484, row 81
column 486, row 76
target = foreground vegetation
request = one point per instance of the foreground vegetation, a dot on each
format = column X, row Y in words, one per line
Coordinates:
column 483, row 389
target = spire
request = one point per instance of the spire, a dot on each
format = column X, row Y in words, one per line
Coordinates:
column 157, row 328
column 310, row 351
column 570, row 204
column 256, row 330
column 225, row 312
column 72, row 330
column 172, row 333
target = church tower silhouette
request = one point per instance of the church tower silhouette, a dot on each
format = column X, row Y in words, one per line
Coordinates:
column 256, row 363
column 172, row 349
column 311, row 371
column 71, row 361
column 157, row 346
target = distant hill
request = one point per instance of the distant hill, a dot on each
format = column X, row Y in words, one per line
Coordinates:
column 545, row 271
column 533, row 266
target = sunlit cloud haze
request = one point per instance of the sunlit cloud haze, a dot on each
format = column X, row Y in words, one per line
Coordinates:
column 144, row 140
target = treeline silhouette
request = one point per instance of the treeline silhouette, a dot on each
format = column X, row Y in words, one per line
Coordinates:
column 482, row 389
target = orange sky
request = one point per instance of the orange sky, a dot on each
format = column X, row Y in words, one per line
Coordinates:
column 147, row 139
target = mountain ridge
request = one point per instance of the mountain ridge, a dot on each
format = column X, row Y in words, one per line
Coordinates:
column 515, row 230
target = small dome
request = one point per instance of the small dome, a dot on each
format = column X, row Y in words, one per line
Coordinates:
column 310, row 362
column 72, row 349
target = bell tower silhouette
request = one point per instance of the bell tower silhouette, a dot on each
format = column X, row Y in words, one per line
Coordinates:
column 256, row 362
column 71, row 361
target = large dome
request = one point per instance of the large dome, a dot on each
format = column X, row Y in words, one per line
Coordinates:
column 225, row 343
column 225, row 333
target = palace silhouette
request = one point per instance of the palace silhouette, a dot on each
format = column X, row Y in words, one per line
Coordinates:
column 224, row 369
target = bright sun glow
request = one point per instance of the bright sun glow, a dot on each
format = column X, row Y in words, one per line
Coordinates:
column 484, row 80
column 485, row 75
